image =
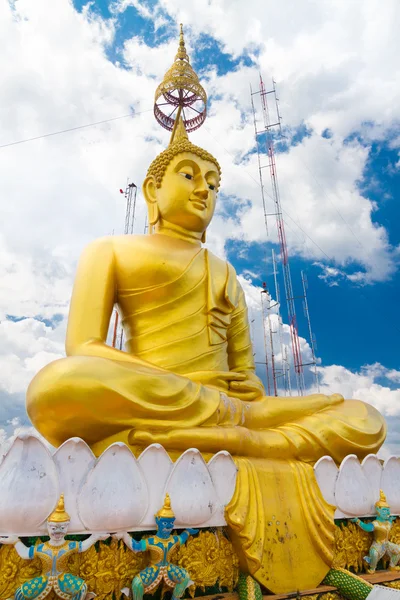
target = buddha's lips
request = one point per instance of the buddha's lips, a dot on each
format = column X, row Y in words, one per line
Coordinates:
column 202, row 203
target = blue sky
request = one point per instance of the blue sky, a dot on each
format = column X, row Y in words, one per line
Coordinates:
column 339, row 168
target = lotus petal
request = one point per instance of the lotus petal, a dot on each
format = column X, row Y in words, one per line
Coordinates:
column 391, row 483
column 372, row 468
column 353, row 493
column 326, row 474
column 29, row 488
column 156, row 466
column 193, row 497
column 74, row 459
column 114, row 494
column 223, row 473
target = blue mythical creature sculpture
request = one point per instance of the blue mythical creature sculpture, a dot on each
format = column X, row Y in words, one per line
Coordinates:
column 54, row 556
column 381, row 528
column 160, row 548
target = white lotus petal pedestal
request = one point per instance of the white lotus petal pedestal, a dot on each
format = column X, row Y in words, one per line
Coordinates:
column 353, row 487
column 115, row 492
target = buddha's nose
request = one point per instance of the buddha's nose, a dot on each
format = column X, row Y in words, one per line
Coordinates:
column 202, row 193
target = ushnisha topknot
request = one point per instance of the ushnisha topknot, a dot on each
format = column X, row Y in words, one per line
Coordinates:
column 179, row 143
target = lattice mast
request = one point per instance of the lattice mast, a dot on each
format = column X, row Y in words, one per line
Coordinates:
column 285, row 372
column 267, row 132
column 130, row 194
column 313, row 341
column 269, row 332
column 264, row 314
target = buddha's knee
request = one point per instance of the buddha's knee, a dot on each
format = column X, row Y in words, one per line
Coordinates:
column 55, row 382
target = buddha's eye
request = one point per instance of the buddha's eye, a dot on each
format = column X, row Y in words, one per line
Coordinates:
column 187, row 175
column 211, row 186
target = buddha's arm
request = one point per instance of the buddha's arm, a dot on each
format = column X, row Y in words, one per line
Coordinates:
column 240, row 354
column 92, row 303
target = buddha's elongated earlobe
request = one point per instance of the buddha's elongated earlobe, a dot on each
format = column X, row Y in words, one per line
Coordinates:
column 154, row 213
column 150, row 194
column 203, row 238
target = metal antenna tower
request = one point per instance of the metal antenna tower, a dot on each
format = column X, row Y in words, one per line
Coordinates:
column 267, row 133
column 268, row 332
column 130, row 194
column 265, row 320
column 313, row 341
column 285, row 365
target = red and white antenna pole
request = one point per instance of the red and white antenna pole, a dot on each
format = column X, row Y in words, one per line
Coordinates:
column 284, row 255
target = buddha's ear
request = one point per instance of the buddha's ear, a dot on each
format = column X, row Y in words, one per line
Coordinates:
column 150, row 193
column 203, row 238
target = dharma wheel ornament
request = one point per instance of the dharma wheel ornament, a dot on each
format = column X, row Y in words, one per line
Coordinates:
column 180, row 92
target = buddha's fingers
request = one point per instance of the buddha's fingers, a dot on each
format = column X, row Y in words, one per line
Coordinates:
column 239, row 441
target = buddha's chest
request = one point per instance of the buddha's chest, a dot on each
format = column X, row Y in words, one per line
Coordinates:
column 158, row 268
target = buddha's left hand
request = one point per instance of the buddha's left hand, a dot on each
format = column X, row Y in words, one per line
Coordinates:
column 249, row 389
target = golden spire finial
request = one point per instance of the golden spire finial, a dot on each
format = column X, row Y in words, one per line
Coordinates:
column 181, row 54
column 382, row 502
column 59, row 515
column 166, row 511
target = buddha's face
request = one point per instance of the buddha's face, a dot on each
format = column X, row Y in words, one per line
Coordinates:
column 57, row 531
column 188, row 192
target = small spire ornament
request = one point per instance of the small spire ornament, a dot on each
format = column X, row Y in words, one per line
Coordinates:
column 166, row 511
column 382, row 502
column 59, row 515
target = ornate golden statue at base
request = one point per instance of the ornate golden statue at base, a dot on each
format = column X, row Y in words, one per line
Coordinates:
column 188, row 376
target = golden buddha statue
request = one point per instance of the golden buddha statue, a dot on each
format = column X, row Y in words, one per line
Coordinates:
column 187, row 378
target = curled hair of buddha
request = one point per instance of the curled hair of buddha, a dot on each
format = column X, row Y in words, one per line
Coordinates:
column 179, row 143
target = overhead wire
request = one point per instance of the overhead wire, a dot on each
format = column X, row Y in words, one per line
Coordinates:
column 134, row 114
column 46, row 135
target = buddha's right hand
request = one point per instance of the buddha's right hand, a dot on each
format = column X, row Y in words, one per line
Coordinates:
column 217, row 379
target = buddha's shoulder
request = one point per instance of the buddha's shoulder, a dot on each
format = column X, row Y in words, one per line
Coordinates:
column 116, row 244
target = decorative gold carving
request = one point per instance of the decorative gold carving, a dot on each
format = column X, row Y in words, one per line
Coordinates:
column 392, row 584
column 209, row 558
column 351, row 544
